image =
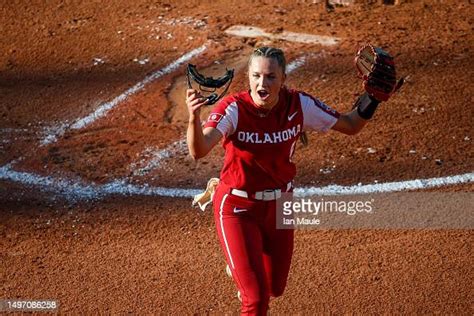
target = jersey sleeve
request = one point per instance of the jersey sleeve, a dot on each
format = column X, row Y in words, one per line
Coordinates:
column 317, row 115
column 223, row 117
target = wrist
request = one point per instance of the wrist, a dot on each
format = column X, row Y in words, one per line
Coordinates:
column 194, row 118
column 366, row 106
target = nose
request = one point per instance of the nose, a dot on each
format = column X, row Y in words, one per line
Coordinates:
column 263, row 81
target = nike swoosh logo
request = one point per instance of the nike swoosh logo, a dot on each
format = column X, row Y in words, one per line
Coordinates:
column 290, row 117
column 238, row 210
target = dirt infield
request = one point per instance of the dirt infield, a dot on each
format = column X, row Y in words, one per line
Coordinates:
column 92, row 95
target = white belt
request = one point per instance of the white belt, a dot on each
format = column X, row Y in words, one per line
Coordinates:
column 265, row 195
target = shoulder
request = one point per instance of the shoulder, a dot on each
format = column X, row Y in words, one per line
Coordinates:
column 290, row 91
column 310, row 100
column 310, row 103
column 308, row 97
column 232, row 99
column 242, row 97
column 224, row 115
column 295, row 96
column 223, row 105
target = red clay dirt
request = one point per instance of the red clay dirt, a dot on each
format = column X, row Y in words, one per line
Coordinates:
column 156, row 255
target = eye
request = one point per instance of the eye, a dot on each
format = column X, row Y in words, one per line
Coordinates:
column 255, row 75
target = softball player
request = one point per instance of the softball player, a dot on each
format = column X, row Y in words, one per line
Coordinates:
column 260, row 128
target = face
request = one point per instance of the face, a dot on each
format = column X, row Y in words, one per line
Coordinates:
column 266, row 78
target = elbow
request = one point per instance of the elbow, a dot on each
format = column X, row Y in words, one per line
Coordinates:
column 196, row 155
column 351, row 131
column 354, row 131
column 194, row 152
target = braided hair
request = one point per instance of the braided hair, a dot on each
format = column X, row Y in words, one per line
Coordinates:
column 270, row 52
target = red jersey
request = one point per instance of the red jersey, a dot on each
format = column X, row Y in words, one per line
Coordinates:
column 259, row 143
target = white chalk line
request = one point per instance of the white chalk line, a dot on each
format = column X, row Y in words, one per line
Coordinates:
column 75, row 191
column 156, row 157
column 386, row 187
column 295, row 64
column 153, row 158
column 54, row 132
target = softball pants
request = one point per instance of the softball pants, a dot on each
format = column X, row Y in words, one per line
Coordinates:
column 258, row 254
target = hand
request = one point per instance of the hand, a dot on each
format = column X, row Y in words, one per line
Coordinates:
column 194, row 102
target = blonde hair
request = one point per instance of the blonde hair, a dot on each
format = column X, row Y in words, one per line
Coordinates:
column 270, row 52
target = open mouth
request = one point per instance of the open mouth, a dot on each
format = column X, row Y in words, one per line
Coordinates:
column 263, row 94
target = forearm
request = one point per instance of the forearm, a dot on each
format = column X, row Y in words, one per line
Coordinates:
column 356, row 121
column 366, row 106
column 352, row 122
column 195, row 138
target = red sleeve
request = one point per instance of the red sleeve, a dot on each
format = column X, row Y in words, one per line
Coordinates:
column 224, row 116
column 217, row 114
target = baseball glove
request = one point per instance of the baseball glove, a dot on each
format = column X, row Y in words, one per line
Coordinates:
column 377, row 69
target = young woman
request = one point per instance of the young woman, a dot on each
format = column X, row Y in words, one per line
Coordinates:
column 260, row 128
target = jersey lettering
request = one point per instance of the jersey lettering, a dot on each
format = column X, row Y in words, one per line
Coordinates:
column 273, row 138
